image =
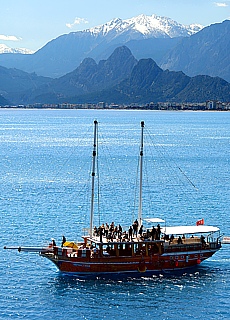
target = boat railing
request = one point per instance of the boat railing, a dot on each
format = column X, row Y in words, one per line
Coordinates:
column 190, row 246
column 183, row 247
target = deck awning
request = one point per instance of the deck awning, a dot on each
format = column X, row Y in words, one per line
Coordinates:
column 188, row 229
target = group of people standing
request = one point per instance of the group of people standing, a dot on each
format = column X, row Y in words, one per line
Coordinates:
column 156, row 232
column 109, row 231
column 134, row 230
column 112, row 232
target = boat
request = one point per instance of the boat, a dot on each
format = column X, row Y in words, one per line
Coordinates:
column 108, row 250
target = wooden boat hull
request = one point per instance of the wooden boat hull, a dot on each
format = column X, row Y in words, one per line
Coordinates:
column 157, row 263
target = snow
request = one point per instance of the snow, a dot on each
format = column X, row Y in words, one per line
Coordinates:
column 148, row 26
column 6, row 49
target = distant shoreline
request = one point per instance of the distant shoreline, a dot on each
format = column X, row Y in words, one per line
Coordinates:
column 156, row 107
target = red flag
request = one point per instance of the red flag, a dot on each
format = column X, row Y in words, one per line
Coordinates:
column 200, row 222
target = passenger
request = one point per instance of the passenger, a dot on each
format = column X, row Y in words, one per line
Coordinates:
column 158, row 233
column 166, row 237
column 119, row 231
column 130, row 233
column 106, row 231
column 100, row 233
column 95, row 231
column 202, row 239
column 125, row 236
column 179, row 241
column 63, row 240
column 111, row 228
column 109, row 236
column 135, row 228
column 171, row 238
column 141, row 230
column 53, row 242
column 115, row 232
column 153, row 233
column 103, row 228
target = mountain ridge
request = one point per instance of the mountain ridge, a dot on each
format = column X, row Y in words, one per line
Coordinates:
column 66, row 52
column 143, row 81
column 206, row 52
column 149, row 26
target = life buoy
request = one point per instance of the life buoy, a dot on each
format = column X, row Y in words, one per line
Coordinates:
column 198, row 261
column 142, row 267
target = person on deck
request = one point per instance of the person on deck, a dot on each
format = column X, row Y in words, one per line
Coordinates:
column 141, row 230
column 95, row 231
column 153, row 233
column 202, row 239
column 179, row 241
column 130, row 232
column 119, row 231
column 63, row 240
column 135, row 228
column 158, row 233
column 106, row 231
column 171, row 238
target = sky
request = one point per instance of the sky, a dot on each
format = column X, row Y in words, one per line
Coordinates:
column 32, row 23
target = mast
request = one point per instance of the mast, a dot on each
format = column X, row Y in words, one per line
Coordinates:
column 141, row 169
column 93, row 176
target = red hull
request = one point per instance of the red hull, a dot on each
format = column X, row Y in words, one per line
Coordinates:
column 115, row 265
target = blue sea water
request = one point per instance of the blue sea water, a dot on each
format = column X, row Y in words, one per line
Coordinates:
column 44, row 192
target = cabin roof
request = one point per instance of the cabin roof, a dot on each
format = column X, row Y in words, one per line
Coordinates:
column 188, row 229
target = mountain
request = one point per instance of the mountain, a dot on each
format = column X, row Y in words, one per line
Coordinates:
column 66, row 52
column 5, row 49
column 14, row 82
column 145, row 26
column 206, row 52
column 87, row 78
column 149, row 83
column 3, row 101
column 122, row 79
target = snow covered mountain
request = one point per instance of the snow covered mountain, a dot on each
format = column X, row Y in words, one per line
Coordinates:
column 146, row 36
column 6, row 49
column 148, row 26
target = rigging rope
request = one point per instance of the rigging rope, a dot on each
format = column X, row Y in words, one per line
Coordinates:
column 164, row 158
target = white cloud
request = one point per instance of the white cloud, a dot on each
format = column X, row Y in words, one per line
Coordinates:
column 9, row 38
column 76, row 22
column 221, row 4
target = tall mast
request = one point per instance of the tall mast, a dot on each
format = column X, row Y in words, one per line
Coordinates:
column 141, row 169
column 93, row 176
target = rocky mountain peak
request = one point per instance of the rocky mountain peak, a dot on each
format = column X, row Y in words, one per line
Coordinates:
column 148, row 26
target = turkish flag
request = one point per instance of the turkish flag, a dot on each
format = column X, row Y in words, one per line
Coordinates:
column 200, row 222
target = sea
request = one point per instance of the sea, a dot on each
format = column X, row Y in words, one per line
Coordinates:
column 45, row 192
